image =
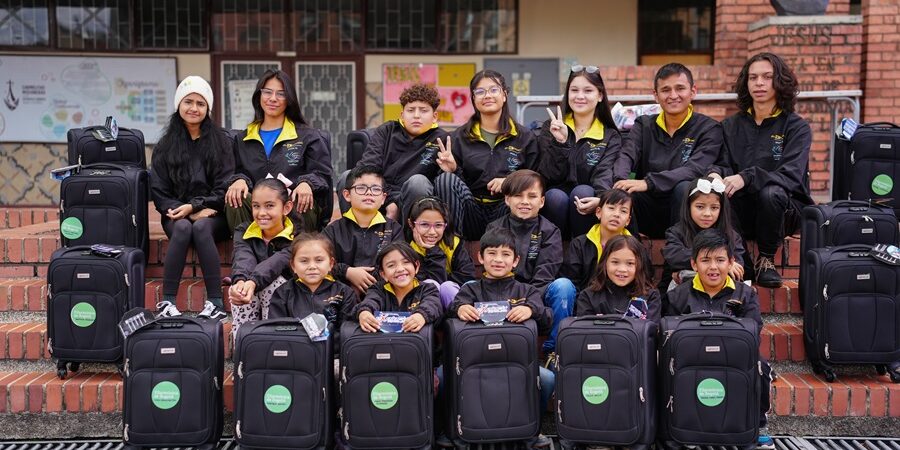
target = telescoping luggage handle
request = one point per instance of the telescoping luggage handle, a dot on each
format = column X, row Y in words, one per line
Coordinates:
column 708, row 319
column 880, row 125
column 283, row 324
column 603, row 320
column 854, row 250
column 858, row 205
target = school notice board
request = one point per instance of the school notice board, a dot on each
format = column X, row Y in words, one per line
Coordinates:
column 45, row 96
column 450, row 80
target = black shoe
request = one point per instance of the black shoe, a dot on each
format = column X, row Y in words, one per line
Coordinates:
column 211, row 311
column 766, row 274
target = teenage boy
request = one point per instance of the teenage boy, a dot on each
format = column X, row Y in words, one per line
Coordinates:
column 666, row 151
column 363, row 230
column 714, row 290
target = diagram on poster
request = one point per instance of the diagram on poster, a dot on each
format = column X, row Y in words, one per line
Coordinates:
column 45, row 96
column 450, row 80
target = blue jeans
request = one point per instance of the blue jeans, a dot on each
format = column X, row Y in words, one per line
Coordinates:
column 559, row 296
column 559, row 208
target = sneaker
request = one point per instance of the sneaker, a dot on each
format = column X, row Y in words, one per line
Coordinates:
column 166, row 308
column 766, row 274
column 442, row 441
column 765, row 442
column 540, row 441
column 211, row 311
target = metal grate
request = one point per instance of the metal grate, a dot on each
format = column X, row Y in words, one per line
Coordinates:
column 327, row 26
column 225, row 444
column 93, row 25
column 479, row 26
column 400, row 25
column 24, row 22
column 171, row 24
column 249, row 26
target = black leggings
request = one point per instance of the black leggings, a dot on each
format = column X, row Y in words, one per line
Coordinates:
column 203, row 235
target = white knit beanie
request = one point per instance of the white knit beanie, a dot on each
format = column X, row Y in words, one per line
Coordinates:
column 194, row 85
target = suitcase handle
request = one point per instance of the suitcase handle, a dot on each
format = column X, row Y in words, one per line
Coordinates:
column 880, row 125
column 709, row 318
column 858, row 254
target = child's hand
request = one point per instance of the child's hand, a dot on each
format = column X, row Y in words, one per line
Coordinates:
column 242, row 292
column 368, row 322
column 236, row 193
column 519, row 314
column 303, row 197
column 736, row 271
column 632, row 186
column 360, row 277
column 494, row 185
column 417, row 238
column 587, row 206
column 468, row 313
column 392, row 211
column 413, row 323
column 445, row 159
column 558, row 128
column 180, row 212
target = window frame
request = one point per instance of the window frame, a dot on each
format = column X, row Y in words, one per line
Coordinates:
column 680, row 52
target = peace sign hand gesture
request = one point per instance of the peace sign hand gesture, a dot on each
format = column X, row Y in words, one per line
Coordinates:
column 445, row 159
column 558, row 128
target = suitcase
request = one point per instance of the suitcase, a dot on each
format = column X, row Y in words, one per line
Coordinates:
column 606, row 380
column 852, row 313
column 105, row 204
column 282, row 387
column 387, row 389
column 87, row 294
column 709, row 381
column 174, row 369
column 127, row 149
column 866, row 166
column 491, row 381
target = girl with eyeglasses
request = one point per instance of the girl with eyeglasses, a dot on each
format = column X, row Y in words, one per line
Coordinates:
column 481, row 153
column 579, row 146
column 445, row 261
column 280, row 143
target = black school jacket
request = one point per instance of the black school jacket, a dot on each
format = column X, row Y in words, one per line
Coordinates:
column 584, row 253
column 677, row 252
column 613, row 299
column 255, row 260
column 509, row 289
column 477, row 163
column 423, row 299
column 400, row 155
column 355, row 246
column 204, row 190
column 662, row 160
column 539, row 246
column 774, row 152
column 692, row 298
column 333, row 299
column 445, row 262
column 300, row 154
column 588, row 161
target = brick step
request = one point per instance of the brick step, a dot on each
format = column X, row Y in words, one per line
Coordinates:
column 15, row 216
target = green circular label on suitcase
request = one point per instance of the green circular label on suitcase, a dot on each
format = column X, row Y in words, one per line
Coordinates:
column 711, row 392
column 165, row 395
column 277, row 399
column 595, row 390
column 384, row 395
column 882, row 184
column 71, row 228
column 83, row 314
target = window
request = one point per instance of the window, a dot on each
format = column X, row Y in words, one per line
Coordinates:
column 93, row 25
column 171, row 24
column 250, row 26
column 327, row 26
column 676, row 27
column 401, row 25
column 479, row 26
column 24, row 22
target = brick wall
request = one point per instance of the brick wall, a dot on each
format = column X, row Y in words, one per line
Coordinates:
column 881, row 60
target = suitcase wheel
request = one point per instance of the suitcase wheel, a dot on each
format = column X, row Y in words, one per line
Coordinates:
column 895, row 376
column 829, row 375
column 61, row 373
column 881, row 369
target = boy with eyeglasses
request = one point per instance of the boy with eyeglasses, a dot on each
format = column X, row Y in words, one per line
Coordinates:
column 363, row 230
column 666, row 151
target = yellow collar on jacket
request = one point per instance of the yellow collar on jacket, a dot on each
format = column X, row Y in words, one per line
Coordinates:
column 448, row 250
column 698, row 285
column 253, row 231
column 288, row 132
column 476, row 129
column 390, row 288
column 595, row 235
column 596, row 131
column 661, row 119
column 375, row 220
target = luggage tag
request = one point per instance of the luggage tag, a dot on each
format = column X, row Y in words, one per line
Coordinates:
column 107, row 133
column 133, row 320
column 888, row 254
column 637, row 308
column 391, row 322
column 62, row 173
column 316, row 327
column 492, row 313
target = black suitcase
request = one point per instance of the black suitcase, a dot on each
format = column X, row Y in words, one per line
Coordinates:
column 387, row 389
column 491, row 381
column 709, row 382
column 282, row 387
column 852, row 313
column 174, row 369
column 127, row 149
column 868, row 166
column 87, row 294
column 105, row 204
column 606, row 381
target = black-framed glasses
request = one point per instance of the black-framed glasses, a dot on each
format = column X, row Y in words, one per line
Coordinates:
column 363, row 189
column 589, row 69
column 481, row 92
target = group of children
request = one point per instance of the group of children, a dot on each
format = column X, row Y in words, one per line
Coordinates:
column 419, row 194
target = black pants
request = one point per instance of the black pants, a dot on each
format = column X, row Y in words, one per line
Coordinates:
column 766, row 216
column 470, row 216
column 202, row 235
column 654, row 212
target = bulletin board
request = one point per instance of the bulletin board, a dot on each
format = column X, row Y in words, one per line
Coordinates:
column 450, row 80
column 45, row 96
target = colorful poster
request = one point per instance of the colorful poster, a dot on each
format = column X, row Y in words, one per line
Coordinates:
column 450, row 80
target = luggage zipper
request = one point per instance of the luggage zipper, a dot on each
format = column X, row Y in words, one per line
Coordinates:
column 559, row 411
column 759, row 366
column 457, row 365
column 671, row 405
column 237, row 429
column 347, row 431
column 852, row 157
column 672, row 365
column 666, row 339
column 62, row 208
column 127, row 370
column 825, row 293
column 867, row 219
column 127, row 283
column 825, row 224
column 539, row 382
column 134, row 220
column 49, row 291
column 125, row 433
column 641, row 393
column 827, row 356
column 325, row 396
column 459, row 425
column 216, row 382
column 50, row 345
column 241, row 370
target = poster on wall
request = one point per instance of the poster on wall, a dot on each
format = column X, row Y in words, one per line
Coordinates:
column 450, row 80
column 45, row 96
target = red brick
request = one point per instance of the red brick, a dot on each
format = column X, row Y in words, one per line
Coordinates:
column 228, row 392
column 90, row 392
column 782, row 399
column 72, row 391
column 17, row 400
column 7, row 379
column 782, row 346
column 54, row 395
column 820, row 394
column 34, row 339
column 14, row 251
column 765, row 342
column 16, row 341
column 17, row 293
column 36, row 392
column 109, row 393
column 893, row 397
column 14, row 271
column 840, row 398
column 31, row 249
column 35, row 293
column 802, row 394
column 48, row 246
column 878, row 394
column 781, row 300
column 858, row 397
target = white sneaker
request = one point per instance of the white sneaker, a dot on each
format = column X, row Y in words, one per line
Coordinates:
column 166, row 308
column 211, row 311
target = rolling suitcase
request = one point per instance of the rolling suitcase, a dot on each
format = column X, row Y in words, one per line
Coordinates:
column 605, row 381
column 105, row 204
column 868, row 165
column 491, row 381
column 386, row 385
column 709, row 381
column 852, row 313
column 174, row 369
column 127, row 149
column 282, row 387
column 87, row 294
